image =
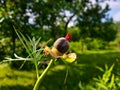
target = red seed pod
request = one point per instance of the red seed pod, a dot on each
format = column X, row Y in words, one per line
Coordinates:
column 62, row 45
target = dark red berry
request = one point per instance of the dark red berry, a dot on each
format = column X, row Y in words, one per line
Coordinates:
column 62, row 45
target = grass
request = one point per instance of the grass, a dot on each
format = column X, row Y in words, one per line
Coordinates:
column 84, row 71
column 11, row 78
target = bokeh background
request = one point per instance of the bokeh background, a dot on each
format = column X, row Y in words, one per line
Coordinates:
column 95, row 29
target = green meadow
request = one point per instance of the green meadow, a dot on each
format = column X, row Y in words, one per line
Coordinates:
column 80, row 75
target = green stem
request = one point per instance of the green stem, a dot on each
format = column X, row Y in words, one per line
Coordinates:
column 37, row 72
column 39, row 80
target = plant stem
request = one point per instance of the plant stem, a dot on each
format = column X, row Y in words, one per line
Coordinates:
column 39, row 80
column 37, row 72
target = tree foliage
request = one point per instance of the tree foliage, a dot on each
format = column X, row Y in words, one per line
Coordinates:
column 50, row 19
column 94, row 22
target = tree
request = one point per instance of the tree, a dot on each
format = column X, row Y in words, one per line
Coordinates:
column 94, row 22
column 51, row 18
column 91, row 23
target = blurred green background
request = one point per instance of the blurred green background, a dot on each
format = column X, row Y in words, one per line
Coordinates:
column 95, row 39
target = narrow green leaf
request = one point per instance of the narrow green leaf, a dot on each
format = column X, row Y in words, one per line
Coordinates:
column 21, row 39
column 38, row 41
column 27, row 43
column 111, row 84
column 100, row 68
column 103, row 87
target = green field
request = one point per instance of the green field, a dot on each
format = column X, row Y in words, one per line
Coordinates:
column 83, row 71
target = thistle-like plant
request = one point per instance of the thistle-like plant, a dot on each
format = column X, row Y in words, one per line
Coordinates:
column 58, row 50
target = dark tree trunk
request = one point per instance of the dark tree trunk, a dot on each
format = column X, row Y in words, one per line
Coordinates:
column 13, row 36
column 66, row 25
column 53, row 34
column 12, row 30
